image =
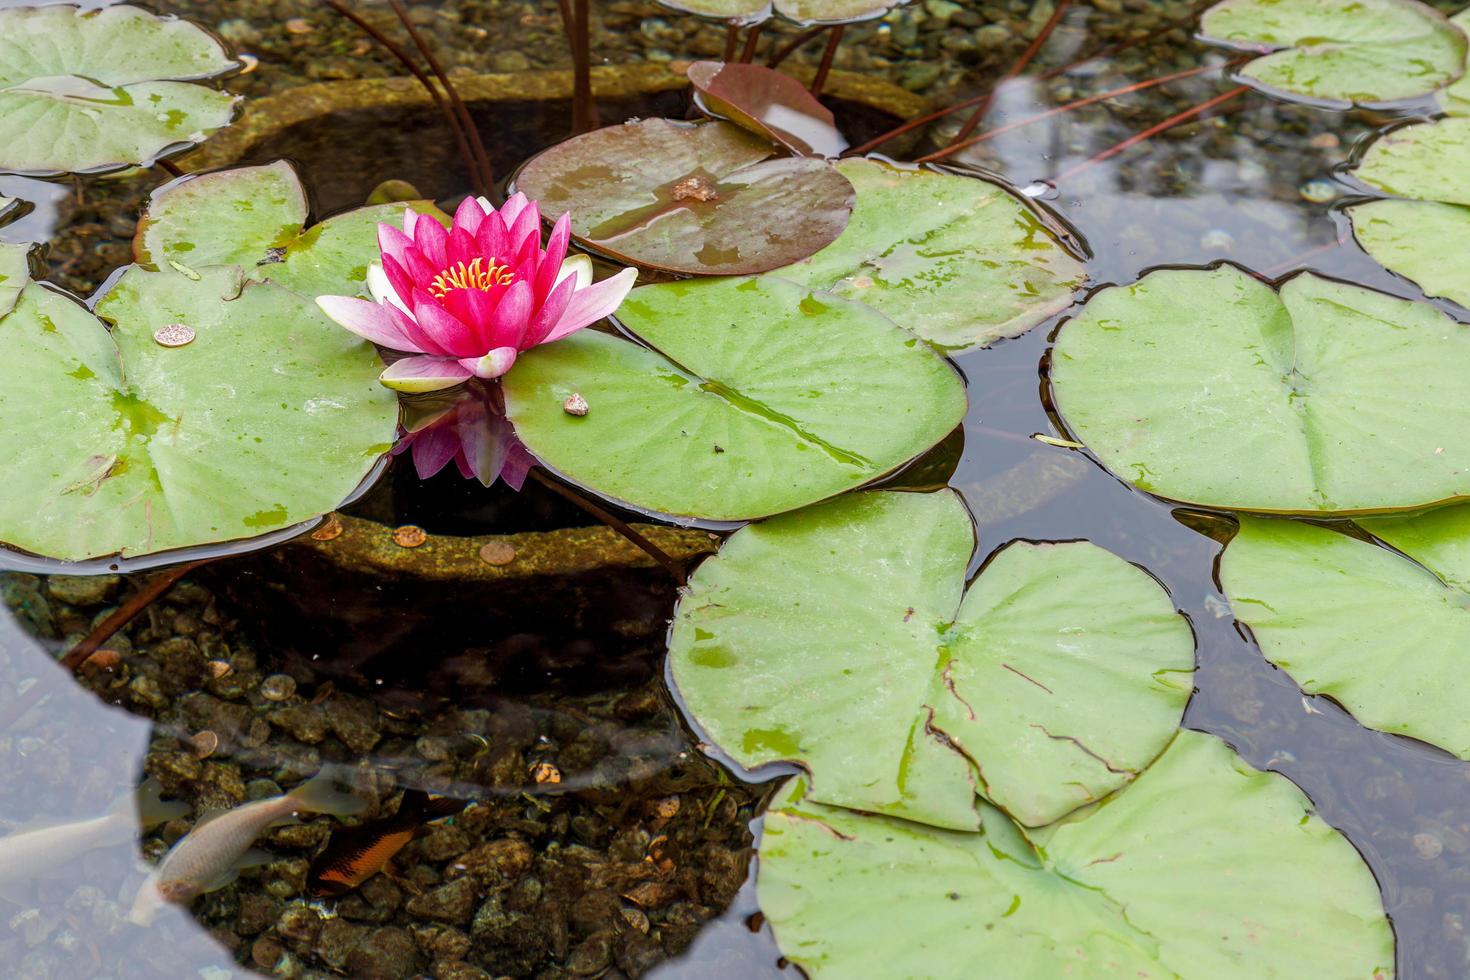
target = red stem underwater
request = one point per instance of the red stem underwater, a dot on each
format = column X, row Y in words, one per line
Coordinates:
column 830, row 52
column 1031, row 51
column 1152, row 131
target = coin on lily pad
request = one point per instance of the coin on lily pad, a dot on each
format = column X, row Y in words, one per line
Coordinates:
column 960, row 261
column 1364, row 52
column 255, row 218
column 1202, row 868
column 1209, row 386
column 1425, row 235
column 1381, row 632
column 97, row 90
column 696, row 198
column 842, row 638
column 802, row 12
column 214, row 409
column 742, row 398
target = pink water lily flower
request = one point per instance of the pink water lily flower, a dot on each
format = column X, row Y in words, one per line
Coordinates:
column 469, row 428
column 464, row 302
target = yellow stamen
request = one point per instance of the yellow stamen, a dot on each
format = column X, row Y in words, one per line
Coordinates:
column 476, row 275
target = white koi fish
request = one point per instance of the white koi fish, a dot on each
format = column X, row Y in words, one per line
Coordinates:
column 34, row 852
column 211, row 855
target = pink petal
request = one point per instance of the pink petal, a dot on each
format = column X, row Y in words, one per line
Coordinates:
column 468, row 215
column 527, row 225
column 450, row 333
column 493, row 241
column 550, row 312
column 410, row 221
column 433, row 448
column 492, row 365
column 398, row 278
column 556, row 251
column 517, row 465
column 474, row 308
column 593, row 303
column 462, row 246
column 393, row 243
column 372, row 321
column 483, row 447
column 512, row 208
column 419, row 269
column 512, row 315
column 417, row 374
column 430, row 238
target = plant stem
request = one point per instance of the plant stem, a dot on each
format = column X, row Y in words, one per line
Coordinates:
column 732, row 36
column 1016, row 69
column 173, row 168
column 953, row 148
column 477, row 144
column 774, row 61
column 584, row 110
column 466, row 157
column 833, row 39
column 1296, row 261
column 1173, row 25
column 752, row 38
column 77, row 655
column 1152, row 131
column 616, row 523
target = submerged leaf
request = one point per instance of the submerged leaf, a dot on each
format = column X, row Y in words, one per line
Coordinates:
column 957, row 260
column 1363, row 52
column 95, row 90
column 1199, row 867
column 1209, row 387
column 753, row 396
column 769, row 103
column 701, row 199
column 116, row 443
column 254, row 217
column 837, row 637
column 1378, row 633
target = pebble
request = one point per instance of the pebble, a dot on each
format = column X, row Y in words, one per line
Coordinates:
column 82, row 590
column 1427, row 846
column 453, row 903
column 277, row 687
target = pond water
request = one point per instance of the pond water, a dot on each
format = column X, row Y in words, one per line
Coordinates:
column 604, row 838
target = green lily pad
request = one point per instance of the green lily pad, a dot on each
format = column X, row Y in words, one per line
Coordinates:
column 841, row 637
column 1209, row 387
column 1425, row 238
column 957, row 260
column 1383, row 636
column 702, row 199
column 117, row 444
column 803, row 12
column 255, row 217
column 1455, row 99
column 97, row 90
column 753, row 396
column 1203, row 868
column 1364, row 52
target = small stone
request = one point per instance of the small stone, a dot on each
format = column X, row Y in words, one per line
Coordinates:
column 498, row 861
column 453, row 903
column 500, row 552
column 174, row 335
column 993, row 36
column 277, row 687
column 104, row 659
column 634, row 917
column 545, row 772
column 593, row 956
column 218, row 668
column 433, row 748
column 388, row 953
column 205, row 743
column 1428, row 846
column 82, row 590
column 354, row 721
column 509, row 61
column 267, row 952
column 331, row 528
column 257, row 914
column 575, row 403
column 299, row 25
column 409, row 536
column 300, row 923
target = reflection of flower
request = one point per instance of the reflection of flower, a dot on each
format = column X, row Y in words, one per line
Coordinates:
column 466, row 301
column 468, row 426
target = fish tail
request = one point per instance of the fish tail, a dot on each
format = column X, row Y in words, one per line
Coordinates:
column 320, row 795
column 152, row 808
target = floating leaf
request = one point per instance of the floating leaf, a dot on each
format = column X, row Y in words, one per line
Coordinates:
column 802, row 12
column 1381, row 635
column 1423, row 161
column 1209, row 387
column 769, row 103
column 957, row 260
column 1365, row 52
column 115, row 443
column 702, row 199
column 757, row 396
column 103, row 89
column 14, row 274
column 836, row 637
column 1455, row 99
column 1203, row 868
column 255, row 217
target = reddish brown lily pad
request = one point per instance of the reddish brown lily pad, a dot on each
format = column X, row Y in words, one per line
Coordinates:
column 769, row 103
column 696, row 198
column 803, row 12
